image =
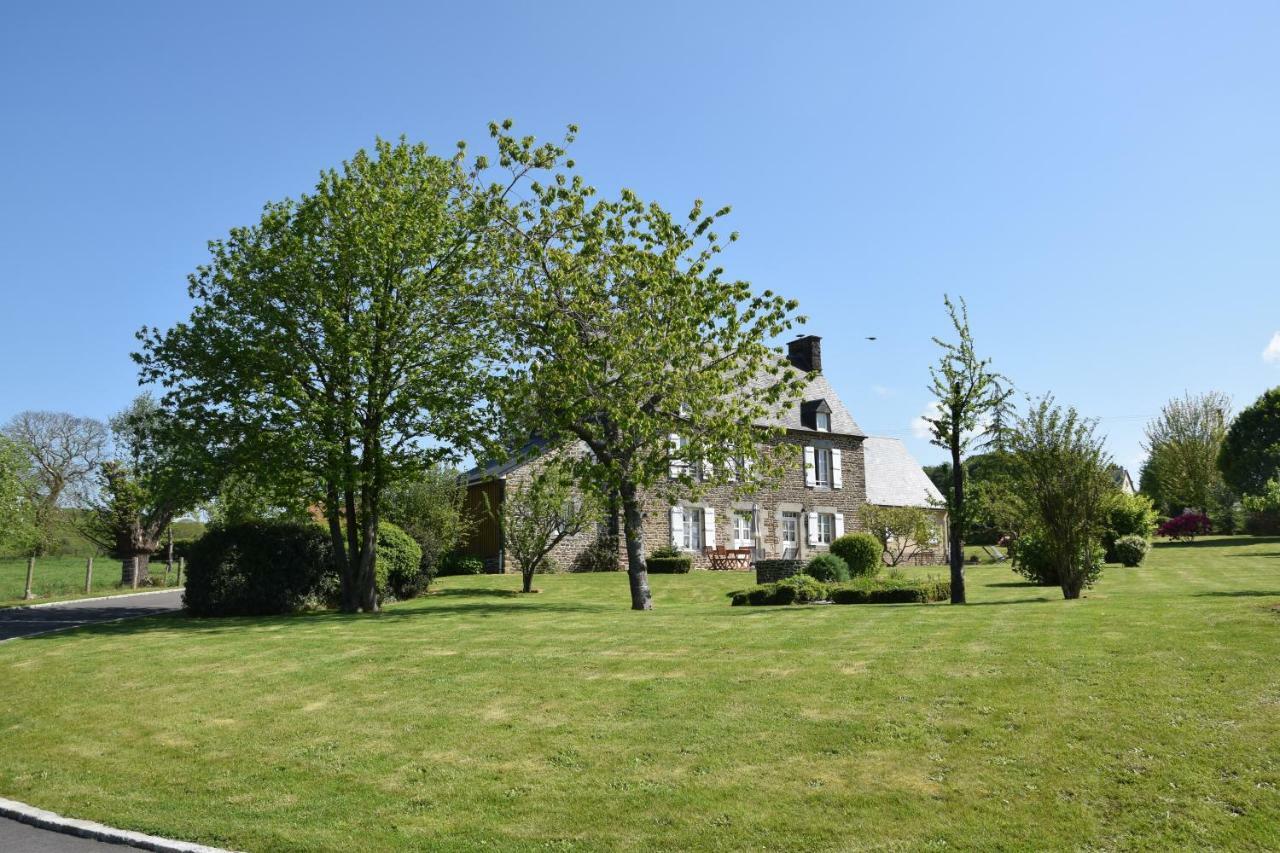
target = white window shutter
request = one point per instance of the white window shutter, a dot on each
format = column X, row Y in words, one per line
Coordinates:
column 677, row 527
column 709, row 527
column 810, row 472
column 707, row 470
column 813, row 528
column 839, row 521
column 674, row 439
column 731, row 469
column 837, row 475
column 747, row 462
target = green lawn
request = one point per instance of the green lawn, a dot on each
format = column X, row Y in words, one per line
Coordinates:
column 1146, row 715
column 60, row 578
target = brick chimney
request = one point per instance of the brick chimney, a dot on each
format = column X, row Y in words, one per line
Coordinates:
column 806, row 353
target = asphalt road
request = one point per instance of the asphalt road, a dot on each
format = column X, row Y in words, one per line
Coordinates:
column 18, row 837
column 22, row 622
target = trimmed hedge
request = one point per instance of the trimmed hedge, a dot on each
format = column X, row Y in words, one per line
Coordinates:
column 803, row 589
column 259, row 569
column 460, row 564
column 669, row 565
column 861, row 552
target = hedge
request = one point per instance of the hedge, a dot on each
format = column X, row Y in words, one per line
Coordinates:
column 861, row 552
column 803, row 589
column 260, row 569
column 669, row 565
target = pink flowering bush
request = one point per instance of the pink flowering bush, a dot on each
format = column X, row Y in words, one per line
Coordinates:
column 1185, row 526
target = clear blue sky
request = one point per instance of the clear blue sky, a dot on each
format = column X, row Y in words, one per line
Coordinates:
column 1101, row 181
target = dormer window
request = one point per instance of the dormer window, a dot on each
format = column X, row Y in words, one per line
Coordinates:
column 816, row 415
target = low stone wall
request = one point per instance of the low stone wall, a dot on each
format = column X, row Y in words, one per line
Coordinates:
column 768, row 571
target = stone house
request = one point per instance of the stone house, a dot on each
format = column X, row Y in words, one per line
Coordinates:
column 895, row 479
column 816, row 499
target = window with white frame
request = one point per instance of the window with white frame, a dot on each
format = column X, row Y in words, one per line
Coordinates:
column 822, row 422
column 743, row 537
column 826, row 528
column 790, row 532
column 822, row 466
column 692, row 536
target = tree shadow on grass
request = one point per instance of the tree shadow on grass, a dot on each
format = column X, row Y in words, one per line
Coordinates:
column 477, row 592
column 1010, row 584
column 1241, row 593
column 1221, row 542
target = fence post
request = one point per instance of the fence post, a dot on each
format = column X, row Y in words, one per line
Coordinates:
column 88, row 576
column 168, row 560
column 135, row 571
column 181, row 561
column 31, row 571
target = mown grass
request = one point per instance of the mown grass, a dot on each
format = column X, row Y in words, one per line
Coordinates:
column 1144, row 716
column 62, row 578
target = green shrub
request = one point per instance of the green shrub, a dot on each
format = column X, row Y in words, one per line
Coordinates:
column 599, row 556
column 259, row 569
column 1131, row 550
column 827, row 568
column 894, row 590
column 1031, row 558
column 667, row 551
column 800, row 589
column 861, row 552
column 461, row 564
column 399, row 564
column 1127, row 515
column 668, row 561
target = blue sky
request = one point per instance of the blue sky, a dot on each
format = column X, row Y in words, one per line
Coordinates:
column 1101, row 181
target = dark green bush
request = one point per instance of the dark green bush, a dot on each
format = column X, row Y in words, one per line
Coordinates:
column 827, row 568
column 258, row 569
column 1130, row 550
column 891, row 591
column 1030, row 558
column 461, row 564
column 861, row 552
column 399, row 564
column 662, row 563
column 599, row 556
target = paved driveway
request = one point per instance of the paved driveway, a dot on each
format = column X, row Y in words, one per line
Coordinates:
column 21, row 622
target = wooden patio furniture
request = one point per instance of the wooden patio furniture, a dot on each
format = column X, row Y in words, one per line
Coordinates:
column 729, row 559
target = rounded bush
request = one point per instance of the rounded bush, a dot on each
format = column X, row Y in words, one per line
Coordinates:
column 259, row 569
column 1131, row 550
column 1033, row 560
column 827, row 568
column 399, row 563
column 861, row 552
column 600, row 556
column 454, row 563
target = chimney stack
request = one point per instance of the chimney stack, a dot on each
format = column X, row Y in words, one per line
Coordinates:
column 806, row 353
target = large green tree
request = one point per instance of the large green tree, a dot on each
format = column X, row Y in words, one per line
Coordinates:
column 971, row 407
column 19, row 532
column 342, row 339
column 1250, row 452
column 624, row 332
column 1182, row 444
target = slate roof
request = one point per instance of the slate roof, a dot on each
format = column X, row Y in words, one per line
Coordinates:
column 818, row 388
column 895, row 478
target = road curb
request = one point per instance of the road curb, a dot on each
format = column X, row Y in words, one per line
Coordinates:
column 42, row 819
column 67, row 601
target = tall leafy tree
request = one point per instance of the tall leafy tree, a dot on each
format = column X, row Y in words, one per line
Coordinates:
column 18, row 527
column 63, row 452
column 429, row 507
column 1064, row 488
column 1250, row 453
column 972, row 399
column 623, row 331
column 342, row 338
column 1183, row 443
column 148, row 484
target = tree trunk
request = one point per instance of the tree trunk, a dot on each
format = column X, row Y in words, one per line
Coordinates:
column 526, row 580
column 368, row 583
column 957, row 533
column 144, row 569
column 333, row 514
column 633, row 530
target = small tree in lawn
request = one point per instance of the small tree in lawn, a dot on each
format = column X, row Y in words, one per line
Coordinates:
column 623, row 335
column 19, row 528
column 1063, row 487
column 971, row 399
column 538, row 515
column 899, row 529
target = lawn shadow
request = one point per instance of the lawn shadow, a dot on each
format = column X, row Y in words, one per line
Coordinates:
column 1241, row 593
column 477, row 592
column 1221, row 541
column 1011, row 584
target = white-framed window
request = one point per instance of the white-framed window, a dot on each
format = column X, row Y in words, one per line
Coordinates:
column 822, row 422
column 743, row 535
column 822, row 466
column 790, row 530
column 692, row 535
column 826, row 528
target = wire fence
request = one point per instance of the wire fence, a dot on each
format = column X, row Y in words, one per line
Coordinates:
column 31, row 579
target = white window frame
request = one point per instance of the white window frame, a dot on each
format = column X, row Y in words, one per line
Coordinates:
column 822, row 422
column 744, row 522
column 826, row 528
column 822, row 466
column 692, row 536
